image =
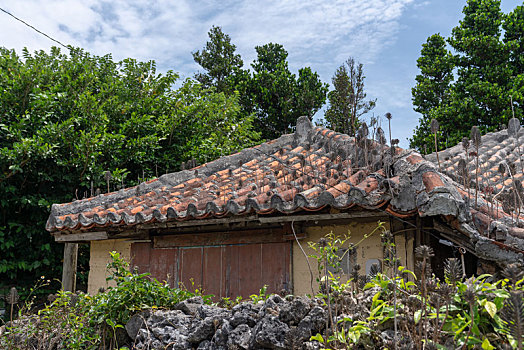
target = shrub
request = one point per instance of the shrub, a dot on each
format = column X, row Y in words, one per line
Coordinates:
column 403, row 310
column 133, row 292
column 82, row 321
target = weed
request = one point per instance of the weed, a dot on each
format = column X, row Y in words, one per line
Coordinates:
column 81, row 321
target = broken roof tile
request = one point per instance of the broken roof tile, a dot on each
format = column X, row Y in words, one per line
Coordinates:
column 287, row 172
column 306, row 171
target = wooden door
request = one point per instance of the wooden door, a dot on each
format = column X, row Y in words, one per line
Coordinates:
column 249, row 267
column 224, row 271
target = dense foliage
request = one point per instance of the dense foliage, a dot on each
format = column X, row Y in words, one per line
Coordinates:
column 81, row 321
column 270, row 91
column 395, row 308
column 66, row 119
column 347, row 100
column 478, row 81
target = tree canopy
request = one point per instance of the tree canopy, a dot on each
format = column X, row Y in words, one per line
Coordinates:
column 347, row 100
column 278, row 96
column 433, row 85
column 218, row 59
column 479, row 81
column 270, row 91
column 66, row 119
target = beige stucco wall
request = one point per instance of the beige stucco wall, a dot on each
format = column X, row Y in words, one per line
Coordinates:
column 367, row 249
column 99, row 258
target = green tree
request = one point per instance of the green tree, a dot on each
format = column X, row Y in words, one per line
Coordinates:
column 432, row 89
column 270, row 92
column 347, row 101
column 513, row 26
column 272, row 88
column 480, row 92
column 310, row 91
column 487, row 75
column 277, row 96
column 65, row 119
column 218, row 59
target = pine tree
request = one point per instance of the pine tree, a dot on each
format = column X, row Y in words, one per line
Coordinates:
column 347, row 102
column 218, row 59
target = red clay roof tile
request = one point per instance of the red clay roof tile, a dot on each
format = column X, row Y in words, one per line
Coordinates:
column 431, row 180
column 280, row 175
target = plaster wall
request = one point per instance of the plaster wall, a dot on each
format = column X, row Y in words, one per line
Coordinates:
column 367, row 249
column 99, row 258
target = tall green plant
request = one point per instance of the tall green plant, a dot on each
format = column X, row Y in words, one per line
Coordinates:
column 67, row 118
column 477, row 80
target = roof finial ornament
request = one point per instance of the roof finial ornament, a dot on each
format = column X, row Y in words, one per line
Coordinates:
column 304, row 126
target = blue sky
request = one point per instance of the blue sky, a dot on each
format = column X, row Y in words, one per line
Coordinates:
column 385, row 35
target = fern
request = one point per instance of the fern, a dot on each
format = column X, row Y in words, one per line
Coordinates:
column 512, row 315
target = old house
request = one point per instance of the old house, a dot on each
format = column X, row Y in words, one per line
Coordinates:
column 235, row 224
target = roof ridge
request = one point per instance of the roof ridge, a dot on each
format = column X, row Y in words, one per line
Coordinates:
column 304, row 129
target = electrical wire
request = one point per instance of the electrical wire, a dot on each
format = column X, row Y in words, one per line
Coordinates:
column 270, row 155
column 32, row 27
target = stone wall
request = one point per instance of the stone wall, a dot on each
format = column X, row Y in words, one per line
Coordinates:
column 275, row 323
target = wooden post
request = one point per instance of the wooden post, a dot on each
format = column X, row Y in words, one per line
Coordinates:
column 419, row 239
column 69, row 267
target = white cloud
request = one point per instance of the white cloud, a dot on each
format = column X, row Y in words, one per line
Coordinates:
column 318, row 32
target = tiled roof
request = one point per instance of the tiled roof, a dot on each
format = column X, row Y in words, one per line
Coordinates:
column 496, row 148
column 309, row 170
column 498, row 151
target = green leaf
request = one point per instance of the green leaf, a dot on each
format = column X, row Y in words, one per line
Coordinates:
column 486, row 345
column 491, row 308
column 417, row 316
column 375, row 298
column 318, row 337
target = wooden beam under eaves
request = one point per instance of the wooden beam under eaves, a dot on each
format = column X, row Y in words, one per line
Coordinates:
column 265, row 219
column 81, row 237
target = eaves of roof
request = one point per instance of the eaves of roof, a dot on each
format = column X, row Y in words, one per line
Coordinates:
column 309, row 170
